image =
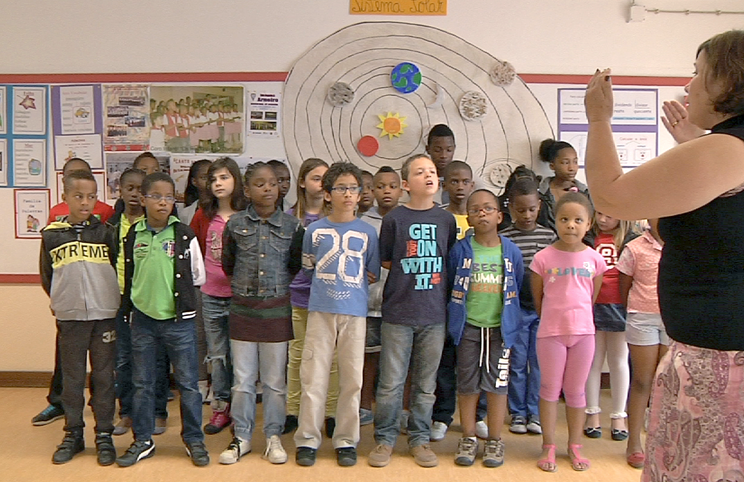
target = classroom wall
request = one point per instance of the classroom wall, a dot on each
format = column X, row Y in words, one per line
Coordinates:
column 89, row 36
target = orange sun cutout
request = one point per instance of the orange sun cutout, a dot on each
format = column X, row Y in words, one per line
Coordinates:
column 391, row 125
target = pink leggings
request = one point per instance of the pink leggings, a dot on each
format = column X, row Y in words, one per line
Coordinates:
column 565, row 362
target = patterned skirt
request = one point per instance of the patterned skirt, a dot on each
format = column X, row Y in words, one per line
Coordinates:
column 696, row 423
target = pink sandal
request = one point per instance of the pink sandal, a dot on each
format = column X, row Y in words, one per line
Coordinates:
column 637, row 460
column 577, row 462
column 548, row 463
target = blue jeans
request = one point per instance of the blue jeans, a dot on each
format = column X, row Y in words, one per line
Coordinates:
column 422, row 346
column 524, row 373
column 179, row 340
column 124, row 386
column 250, row 359
column 216, row 312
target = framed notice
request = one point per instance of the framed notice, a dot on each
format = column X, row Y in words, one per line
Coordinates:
column 31, row 212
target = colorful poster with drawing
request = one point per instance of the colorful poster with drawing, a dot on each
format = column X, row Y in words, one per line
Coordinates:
column 31, row 212
column 29, row 110
column 126, row 117
column 264, row 111
column 77, row 110
column 29, row 162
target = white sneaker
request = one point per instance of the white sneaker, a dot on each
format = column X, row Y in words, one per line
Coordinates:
column 237, row 448
column 274, row 451
column 481, row 430
column 438, row 431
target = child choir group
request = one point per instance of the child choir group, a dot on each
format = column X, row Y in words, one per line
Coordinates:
column 399, row 312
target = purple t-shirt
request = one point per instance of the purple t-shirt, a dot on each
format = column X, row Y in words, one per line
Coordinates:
column 299, row 288
column 217, row 282
column 568, row 290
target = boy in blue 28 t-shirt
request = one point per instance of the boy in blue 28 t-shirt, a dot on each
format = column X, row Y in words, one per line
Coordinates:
column 342, row 252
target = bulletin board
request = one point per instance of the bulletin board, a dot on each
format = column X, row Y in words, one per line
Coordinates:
column 75, row 124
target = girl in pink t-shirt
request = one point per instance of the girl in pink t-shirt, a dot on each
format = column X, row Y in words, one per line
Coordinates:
column 225, row 198
column 610, row 236
column 645, row 332
column 567, row 281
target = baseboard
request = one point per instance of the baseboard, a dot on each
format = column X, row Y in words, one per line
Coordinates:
column 25, row 379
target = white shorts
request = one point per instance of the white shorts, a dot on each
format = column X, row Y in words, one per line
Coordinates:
column 645, row 329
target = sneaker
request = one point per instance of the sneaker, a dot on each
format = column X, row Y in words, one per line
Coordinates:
column 137, row 451
column 161, row 425
column 330, row 426
column 424, row 456
column 275, row 453
column 518, row 424
column 48, row 415
column 533, row 426
column 404, row 416
column 305, row 456
column 481, row 430
column 123, row 426
column 237, row 448
column 204, row 390
column 220, row 418
column 467, row 449
column 346, row 456
column 71, row 444
column 290, row 424
column 438, row 431
column 380, row 456
column 366, row 417
column 493, row 454
column 198, row 453
column 105, row 450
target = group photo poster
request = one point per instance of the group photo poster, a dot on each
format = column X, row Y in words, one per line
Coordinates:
column 118, row 162
column 31, row 212
column 126, row 117
column 197, row 119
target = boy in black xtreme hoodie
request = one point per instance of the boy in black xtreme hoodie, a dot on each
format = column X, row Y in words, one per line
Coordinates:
column 78, row 255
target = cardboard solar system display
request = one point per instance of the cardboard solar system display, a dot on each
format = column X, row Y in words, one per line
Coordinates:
column 369, row 93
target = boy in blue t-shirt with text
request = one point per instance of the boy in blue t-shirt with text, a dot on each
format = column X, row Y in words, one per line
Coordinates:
column 414, row 241
column 342, row 253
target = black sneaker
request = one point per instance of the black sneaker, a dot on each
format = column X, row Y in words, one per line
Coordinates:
column 48, row 415
column 137, row 451
column 346, row 456
column 330, row 426
column 105, row 449
column 290, row 424
column 72, row 444
column 198, row 453
column 305, row 456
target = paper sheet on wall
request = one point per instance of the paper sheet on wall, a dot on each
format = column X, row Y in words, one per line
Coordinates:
column 77, row 109
column 264, row 108
column 3, row 162
column 86, row 147
column 29, row 110
column 29, row 162
column 31, row 212
column 3, row 110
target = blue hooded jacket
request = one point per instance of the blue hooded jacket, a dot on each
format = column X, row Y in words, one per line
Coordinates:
column 459, row 267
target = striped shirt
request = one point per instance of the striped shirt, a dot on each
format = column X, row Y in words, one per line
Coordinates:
column 529, row 243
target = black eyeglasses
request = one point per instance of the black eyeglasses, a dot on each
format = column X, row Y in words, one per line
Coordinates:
column 343, row 189
column 159, row 197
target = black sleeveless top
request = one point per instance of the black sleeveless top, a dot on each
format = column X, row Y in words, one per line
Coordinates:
column 701, row 273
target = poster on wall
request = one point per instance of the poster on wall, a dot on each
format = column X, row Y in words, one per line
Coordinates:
column 100, row 184
column 29, row 110
column 86, row 147
column 197, row 118
column 118, row 162
column 3, row 110
column 31, row 212
column 29, row 162
column 77, row 110
column 264, row 113
column 126, row 117
column 3, row 163
column 635, row 125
